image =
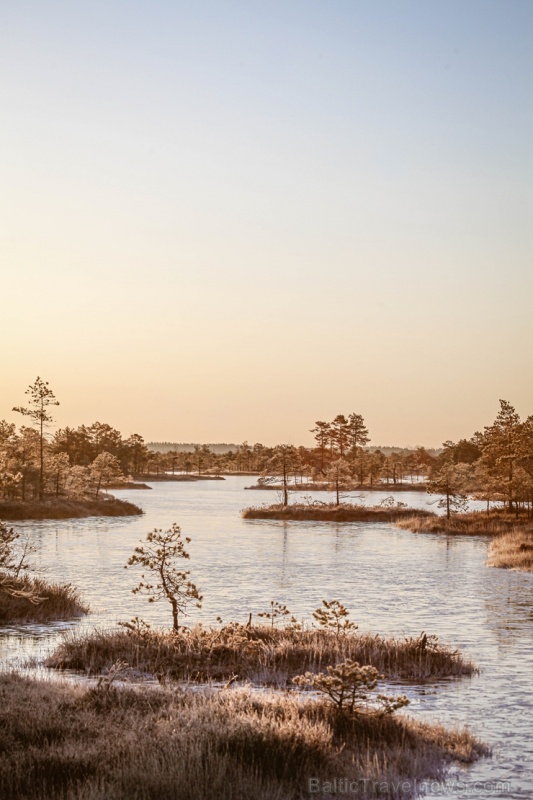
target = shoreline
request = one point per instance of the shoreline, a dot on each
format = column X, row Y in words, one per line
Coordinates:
column 126, row 485
column 178, row 478
column 321, row 487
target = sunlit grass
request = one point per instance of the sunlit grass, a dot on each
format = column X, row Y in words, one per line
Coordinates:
column 109, row 743
column 262, row 654
column 470, row 524
column 330, row 512
column 512, row 550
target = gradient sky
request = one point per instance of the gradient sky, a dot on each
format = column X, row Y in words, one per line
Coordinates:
column 226, row 220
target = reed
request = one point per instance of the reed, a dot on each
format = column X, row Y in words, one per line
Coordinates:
column 121, row 743
column 262, row 654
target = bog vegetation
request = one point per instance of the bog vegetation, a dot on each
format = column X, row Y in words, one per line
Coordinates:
column 114, row 741
column 117, row 742
column 333, row 716
column 336, row 512
column 263, row 654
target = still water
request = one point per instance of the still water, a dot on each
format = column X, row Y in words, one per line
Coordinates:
column 393, row 582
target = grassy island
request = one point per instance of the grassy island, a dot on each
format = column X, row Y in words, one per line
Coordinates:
column 331, row 512
column 26, row 599
column 151, row 743
column 473, row 523
column 513, row 550
column 66, row 508
column 262, row 654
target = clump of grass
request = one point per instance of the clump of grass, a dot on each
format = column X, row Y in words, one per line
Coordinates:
column 66, row 508
column 473, row 523
column 35, row 600
column 155, row 744
column 512, row 550
column 262, row 654
column 330, row 512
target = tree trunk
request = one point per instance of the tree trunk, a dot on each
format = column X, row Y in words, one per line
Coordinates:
column 285, row 487
column 41, row 464
column 175, row 625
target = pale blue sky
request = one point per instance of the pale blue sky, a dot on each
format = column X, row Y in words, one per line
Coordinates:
column 225, row 220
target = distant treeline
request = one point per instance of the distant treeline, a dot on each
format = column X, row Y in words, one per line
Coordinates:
column 403, row 451
column 222, row 447
column 189, row 447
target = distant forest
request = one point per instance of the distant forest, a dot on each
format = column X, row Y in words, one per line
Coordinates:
column 189, row 447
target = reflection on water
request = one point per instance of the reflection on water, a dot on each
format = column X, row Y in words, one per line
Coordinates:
column 391, row 580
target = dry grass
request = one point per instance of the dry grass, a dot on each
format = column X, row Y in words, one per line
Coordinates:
column 512, row 550
column 264, row 655
column 330, row 512
column 66, row 508
column 474, row 523
column 107, row 743
column 59, row 601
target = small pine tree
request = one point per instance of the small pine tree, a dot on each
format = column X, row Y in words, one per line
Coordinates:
column 277, row 611
column 158, row 555
column 334, row 617
column 348, row 686
column 41, row 397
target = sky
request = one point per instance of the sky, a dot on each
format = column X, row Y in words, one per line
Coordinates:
column 222, row 221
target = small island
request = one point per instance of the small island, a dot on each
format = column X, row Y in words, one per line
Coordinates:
column 67, row 508
column 331, row 512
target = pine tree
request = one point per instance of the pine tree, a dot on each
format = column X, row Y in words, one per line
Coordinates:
column 40, row 399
